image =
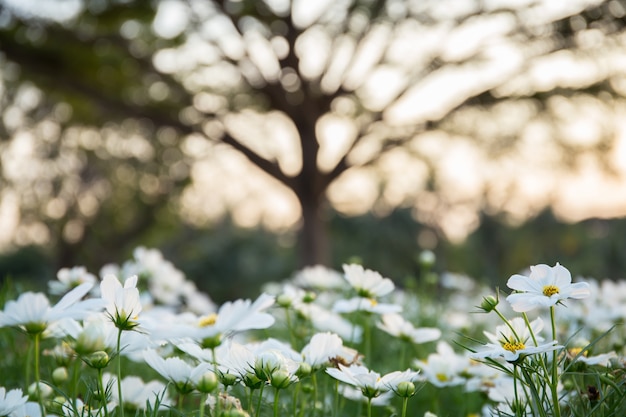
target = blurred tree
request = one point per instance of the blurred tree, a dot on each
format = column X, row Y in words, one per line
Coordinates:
column 117, row 114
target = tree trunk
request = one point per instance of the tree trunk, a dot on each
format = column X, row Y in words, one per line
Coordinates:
column 313, row 242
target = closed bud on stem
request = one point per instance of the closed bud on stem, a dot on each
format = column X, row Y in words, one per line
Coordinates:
column 280, row 379
column 309, row 297
column 228, row 379
column 405, row 389
column 208, row 382
column 489, row 303
column 250, row 380
column 303, row 370
column 60, row 375
column 97, row 360
column 43, row 392
column 284, row 301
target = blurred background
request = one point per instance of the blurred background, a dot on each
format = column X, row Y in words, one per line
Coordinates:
column 247, row 139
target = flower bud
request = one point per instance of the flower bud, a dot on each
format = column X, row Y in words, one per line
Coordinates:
column 250, row 380
column 212, row 342
column 228, row 379
column 309, row 297
column 208, row 382
column 489, row 303
column 39, row 390
column 284, row 300
column 280, row 379
column 405, row 389
column 60, row 375
column 303, row 370
column 97, row 360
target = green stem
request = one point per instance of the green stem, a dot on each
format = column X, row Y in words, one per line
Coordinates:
column 367, row 337
column 38, row 375
column 74, row 386
column 555, row 370
column 203, row 399
column 103, row 395
column 292, row 338
column 405, row 401
column 258, row 407
column 530, row 329
column 314, row 379
column 336, row 406
column 294, row 401
column 515, row 382
column 276, row 397
column 508, row 323
column 250, row 400
column 119, row 372
column 369, row 406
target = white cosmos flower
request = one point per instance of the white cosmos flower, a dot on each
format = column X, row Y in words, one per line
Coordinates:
column 397, row 326
column 11, row 400
column 445, row 367
column 68, row 278
column 32, row 311
column 183, row 375
column 320, row 278
column 326, row 346
column 544, row 287
column 30, row 409
column 123, row 302
column 232, row 317
column 137, row 394
column 325, row 320
column 369, row 305
column 515, row 340
column 371, row 383
column 393, row 379
column 367, row 283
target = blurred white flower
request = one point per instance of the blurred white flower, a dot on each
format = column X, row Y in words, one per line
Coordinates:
column 137, row 394
column 371, row 383
column 325, row 320
column 68, row 278
column 320, row 278
column 395, row 380
column 11, row 400
column 324, row 347
column 184, row 376
column 397, row 326
column 32, row 311
column 232, row 317
column 369, row 305
column 367, row 283
column 445, row 367
column 30, row 409
column 544, row 287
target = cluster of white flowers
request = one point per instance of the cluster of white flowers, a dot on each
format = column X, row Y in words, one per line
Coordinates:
column 318, row 323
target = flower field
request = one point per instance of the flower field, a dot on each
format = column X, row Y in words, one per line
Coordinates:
column 140, row 339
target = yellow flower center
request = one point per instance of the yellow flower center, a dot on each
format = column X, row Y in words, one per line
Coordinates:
column 575, row 351
column 373, row 302
column 513, row 346
column 208, row 320
column 442, row 377
column 550, row 290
